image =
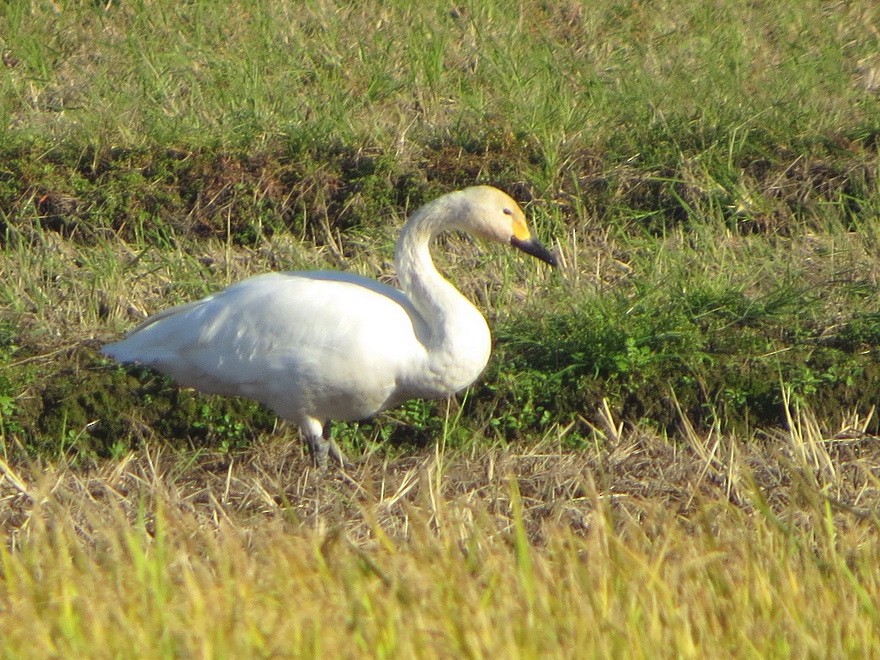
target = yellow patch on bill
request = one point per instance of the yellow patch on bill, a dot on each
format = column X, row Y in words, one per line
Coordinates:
column 521, row 230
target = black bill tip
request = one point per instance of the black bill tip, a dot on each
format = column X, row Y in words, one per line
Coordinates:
column 535, row 248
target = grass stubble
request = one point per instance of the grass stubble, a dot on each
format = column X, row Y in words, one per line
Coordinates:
column 725, row 546
column 710, row 175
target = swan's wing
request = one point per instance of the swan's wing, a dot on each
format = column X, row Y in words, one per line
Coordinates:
column 293, row 332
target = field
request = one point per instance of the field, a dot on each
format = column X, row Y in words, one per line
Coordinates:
column 674, row 451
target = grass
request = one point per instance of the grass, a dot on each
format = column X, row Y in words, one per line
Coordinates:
column 673, row 448
column 633, row 548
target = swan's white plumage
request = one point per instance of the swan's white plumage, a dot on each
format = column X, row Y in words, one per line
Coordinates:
column 317, row 346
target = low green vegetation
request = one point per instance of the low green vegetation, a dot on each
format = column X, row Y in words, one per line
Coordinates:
column 708, row 175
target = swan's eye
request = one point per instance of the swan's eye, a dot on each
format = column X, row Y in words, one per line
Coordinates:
column 507, row 212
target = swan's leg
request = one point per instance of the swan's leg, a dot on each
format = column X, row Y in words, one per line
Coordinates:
column 321, row 445
column 313, row 434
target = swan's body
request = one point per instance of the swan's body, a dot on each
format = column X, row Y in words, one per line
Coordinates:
column 318, row 346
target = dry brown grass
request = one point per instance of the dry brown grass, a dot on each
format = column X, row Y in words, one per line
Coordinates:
column 639, row 546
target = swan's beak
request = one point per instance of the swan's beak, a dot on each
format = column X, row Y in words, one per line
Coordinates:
column 535, row 248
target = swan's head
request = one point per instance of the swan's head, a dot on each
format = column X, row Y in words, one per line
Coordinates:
column 489, row 213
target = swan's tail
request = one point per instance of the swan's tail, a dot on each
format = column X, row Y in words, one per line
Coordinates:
column 150, row 342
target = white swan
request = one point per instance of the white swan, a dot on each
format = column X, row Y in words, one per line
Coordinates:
column 318, row 346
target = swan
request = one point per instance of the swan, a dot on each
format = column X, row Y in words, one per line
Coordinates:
column 321, row 345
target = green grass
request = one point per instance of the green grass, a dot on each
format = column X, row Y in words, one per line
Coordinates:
column 686, row 404
column 712, row 88
column 709, row 177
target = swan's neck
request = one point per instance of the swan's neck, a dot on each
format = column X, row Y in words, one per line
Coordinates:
column 434, row 297
column 458, row 341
